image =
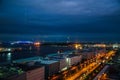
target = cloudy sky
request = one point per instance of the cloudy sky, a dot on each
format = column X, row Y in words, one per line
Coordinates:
column 57, row 20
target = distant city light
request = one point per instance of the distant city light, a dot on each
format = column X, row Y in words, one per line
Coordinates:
column 37, row 44
column 78, row 46
column 100, row 45
column 9, row 49
column 23, row 42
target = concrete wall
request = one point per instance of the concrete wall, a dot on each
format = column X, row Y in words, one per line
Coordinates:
column 18, row 77
column 75, row 60
column 63, row 64
column 51, row 69
column 36, row 74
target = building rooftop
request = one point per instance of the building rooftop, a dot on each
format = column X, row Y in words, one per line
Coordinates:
column 28, row 67
column 48, row 61
column 26, row 60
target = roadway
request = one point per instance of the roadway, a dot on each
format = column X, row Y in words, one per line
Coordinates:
column 81, row 75
column 84, row 70
column 87, row 67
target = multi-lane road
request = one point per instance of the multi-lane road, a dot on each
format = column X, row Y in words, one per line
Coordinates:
column 83, row 70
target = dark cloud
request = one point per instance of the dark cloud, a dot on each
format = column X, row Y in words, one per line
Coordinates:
column 60, row 18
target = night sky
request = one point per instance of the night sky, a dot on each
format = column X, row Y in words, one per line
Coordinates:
column 60, row 20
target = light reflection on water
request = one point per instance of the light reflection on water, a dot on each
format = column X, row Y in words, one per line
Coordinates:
column 40, row 51
column 8, row 56
column 5, row 57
